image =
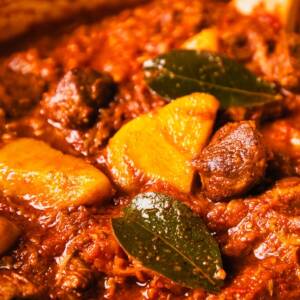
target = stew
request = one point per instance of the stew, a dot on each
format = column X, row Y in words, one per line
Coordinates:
column 152, row 154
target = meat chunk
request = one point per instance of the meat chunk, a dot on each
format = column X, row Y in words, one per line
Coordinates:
column 9, row 233
column 233, row 162
column 19, row 92
column 269, row 232
column 262, row 232
column 79, row 94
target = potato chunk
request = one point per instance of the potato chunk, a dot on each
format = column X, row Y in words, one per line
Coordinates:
column 9, row 233
column 207, row 39
column 160, row 146
column 187, row 122
column 34, row 171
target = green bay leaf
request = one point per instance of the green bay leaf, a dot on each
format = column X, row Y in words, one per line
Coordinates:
column 182, row 72
column 167, row 237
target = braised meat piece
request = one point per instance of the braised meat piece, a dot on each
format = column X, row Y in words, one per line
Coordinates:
column 261, row 231
column 19, row 92
column 9, row 233
column 75, row 101
column 233, row 162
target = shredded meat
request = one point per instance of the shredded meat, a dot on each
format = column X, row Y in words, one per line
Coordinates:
column 19, row 92
column 263, row 231
column 259, row 41
column 15, row 286
column 282, row 137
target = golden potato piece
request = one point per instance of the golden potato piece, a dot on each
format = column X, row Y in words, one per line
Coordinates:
column 9, row 233
column 46, row 177
column 187, row 122
column 161, row 146
column 140, row 149
column 207, row 39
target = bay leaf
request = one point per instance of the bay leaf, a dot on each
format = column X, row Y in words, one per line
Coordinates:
column 167, row 237
column 182, row 72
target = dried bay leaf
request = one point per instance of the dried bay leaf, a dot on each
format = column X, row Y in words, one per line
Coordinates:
column 167, row 237
column 182, row 72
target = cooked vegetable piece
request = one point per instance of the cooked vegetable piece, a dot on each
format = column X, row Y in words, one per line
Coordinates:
column 9, row 233
column 160, row 146
column 187, row 122
column 140, row 149
column 207, row 39
column 34, row 171
column 182, row 72
column 167, row 237
column 233, row 162
column 74, row 103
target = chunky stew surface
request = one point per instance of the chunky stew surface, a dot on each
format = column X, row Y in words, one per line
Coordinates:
column 82, row 134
